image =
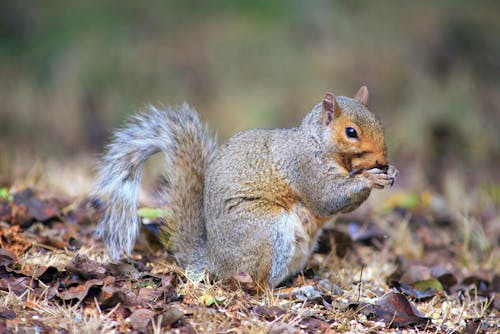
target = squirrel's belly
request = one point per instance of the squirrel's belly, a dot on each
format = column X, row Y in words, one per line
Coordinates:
column 305, row 227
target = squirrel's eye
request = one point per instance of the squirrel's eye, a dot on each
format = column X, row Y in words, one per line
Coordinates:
column 351, row 133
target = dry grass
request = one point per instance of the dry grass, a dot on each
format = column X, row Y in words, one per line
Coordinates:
column 359, row 277
column 237, row 311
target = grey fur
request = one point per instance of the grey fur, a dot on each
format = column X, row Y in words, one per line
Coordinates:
column 238, row 231
column 257, row 205
column 187, row 147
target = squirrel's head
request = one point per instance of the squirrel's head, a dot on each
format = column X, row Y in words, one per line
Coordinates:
column 357, row 133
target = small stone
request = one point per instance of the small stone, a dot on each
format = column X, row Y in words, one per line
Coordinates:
column 306, row 292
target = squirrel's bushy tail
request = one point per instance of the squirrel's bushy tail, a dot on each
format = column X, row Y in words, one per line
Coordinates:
column 188, row 148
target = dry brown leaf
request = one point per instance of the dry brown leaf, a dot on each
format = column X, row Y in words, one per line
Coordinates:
column 396, row 311
column 86, row 268
column 313, row 325
column 11, row 240
column 7, row 257
column 27, row 208
column 141, row 318
column 269, row 313
column 80, row 291
column 7, row 313
column 170, row 316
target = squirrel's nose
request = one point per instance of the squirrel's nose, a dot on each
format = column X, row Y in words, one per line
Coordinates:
column 381, row 160
column 383, row 167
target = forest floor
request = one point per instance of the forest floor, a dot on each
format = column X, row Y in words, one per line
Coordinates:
column 415, row 266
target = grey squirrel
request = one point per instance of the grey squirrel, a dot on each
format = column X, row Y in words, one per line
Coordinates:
column 255, row 204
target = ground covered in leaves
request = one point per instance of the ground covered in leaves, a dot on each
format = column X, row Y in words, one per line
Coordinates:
column 415, row 266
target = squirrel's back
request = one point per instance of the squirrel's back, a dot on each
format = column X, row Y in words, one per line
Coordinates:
column 235, row 174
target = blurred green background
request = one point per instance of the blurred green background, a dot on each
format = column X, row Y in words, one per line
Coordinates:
column 70, row 71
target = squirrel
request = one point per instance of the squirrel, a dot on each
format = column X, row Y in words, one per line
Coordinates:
column 255, row 204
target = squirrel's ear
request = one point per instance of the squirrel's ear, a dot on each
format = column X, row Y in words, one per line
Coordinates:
column 362, row 96
column 331, row 108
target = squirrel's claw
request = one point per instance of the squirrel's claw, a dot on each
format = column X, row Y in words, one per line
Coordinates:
column 381, row 178
column 392, row 172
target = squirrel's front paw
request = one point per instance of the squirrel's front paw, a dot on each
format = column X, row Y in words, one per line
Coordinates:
column 381, row 178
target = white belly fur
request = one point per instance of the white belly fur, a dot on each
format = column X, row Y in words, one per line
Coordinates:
column 295, row 235
column 305, row 229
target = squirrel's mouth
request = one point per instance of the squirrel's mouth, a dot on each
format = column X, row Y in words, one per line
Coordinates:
column 355, row 171
column 356, row 163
